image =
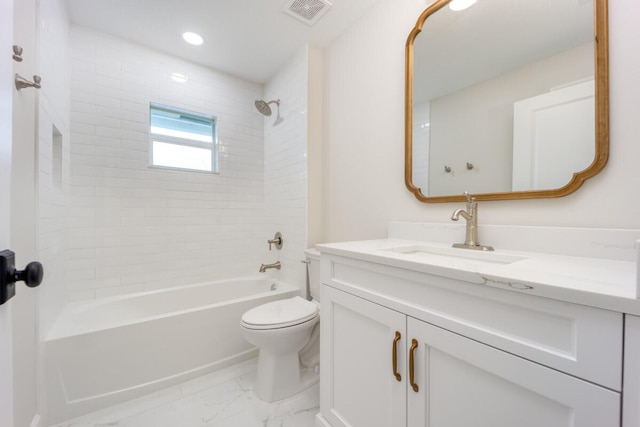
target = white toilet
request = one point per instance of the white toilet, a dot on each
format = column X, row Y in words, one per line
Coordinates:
column 287, row 334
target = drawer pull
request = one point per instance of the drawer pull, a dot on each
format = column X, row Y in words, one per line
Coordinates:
column 395, row 356
column 414, row 345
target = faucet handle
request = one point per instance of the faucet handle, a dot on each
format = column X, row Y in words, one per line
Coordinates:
column 470, row 198
column 277, row 241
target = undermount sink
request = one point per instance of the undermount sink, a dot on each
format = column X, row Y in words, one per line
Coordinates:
column 449, row 252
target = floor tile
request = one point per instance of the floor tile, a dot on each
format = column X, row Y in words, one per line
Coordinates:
column 222, row 399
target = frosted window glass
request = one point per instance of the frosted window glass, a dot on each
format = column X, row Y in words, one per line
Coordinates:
column 181, row 156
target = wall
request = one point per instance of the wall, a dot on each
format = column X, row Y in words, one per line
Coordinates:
column 421, row 146
column 285, row 167
column 133, row 228
column 53, row 163
column 315, row 85
column 364, row 136
column 53, row 167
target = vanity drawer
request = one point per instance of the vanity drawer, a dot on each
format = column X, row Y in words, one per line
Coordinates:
column 582, row 341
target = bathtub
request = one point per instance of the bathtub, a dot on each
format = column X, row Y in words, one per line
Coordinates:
column 105, row 351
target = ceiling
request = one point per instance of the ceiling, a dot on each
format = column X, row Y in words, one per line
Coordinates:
column 251, row 39
column 459, row 49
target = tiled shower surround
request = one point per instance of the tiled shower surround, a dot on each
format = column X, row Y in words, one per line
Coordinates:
column 285, row 175
column 134, row 228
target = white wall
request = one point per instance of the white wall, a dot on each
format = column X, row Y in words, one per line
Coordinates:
column 133, row 228
column 53, row 168
column 285, row 167
column 315, row 85
column 53, row 172
column 364, row 136
column 421, row 147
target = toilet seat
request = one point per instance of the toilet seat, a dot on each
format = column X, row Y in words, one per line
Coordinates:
column 280, row 314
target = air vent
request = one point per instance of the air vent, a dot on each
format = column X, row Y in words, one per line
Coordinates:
column 307, row 11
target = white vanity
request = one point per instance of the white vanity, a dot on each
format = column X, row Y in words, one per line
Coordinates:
column 416, row 333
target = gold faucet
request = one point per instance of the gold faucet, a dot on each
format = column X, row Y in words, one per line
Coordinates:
column 471, row 215
column 264, row 267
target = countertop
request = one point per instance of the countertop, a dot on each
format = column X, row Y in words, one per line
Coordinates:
column 596, row 282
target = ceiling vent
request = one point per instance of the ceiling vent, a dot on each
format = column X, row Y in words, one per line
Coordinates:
column 307, row 11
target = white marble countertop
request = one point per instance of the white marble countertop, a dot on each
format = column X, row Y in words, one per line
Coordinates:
column 603, row 283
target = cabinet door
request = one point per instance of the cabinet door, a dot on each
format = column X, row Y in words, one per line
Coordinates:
column 357, row 385
column 462, row 383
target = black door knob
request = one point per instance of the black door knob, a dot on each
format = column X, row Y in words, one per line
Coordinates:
column 31, row 275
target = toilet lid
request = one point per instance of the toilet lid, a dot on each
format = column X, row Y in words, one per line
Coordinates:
column 280, row 314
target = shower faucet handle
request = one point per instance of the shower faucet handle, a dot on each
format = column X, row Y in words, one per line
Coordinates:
column 277, row 241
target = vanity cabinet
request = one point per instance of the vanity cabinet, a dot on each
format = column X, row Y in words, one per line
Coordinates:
column 453, row 367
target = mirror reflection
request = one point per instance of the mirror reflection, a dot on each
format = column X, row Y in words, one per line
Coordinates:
column 503, row 98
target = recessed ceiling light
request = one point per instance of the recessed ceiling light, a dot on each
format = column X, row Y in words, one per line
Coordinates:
column 458, row 5
column 193, row 38
column 180, row 78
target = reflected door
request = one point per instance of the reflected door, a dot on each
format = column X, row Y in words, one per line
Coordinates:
column 549, row 136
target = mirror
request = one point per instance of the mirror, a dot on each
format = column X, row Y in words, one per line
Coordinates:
column 505, row 100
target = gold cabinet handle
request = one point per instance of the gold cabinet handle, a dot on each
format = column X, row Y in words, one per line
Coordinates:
column 414, row 345
column 394, row 356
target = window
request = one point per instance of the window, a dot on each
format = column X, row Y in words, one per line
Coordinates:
column 182, row 139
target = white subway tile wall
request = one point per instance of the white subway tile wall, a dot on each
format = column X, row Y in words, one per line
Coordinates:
column 133, row 228
column 285, row 171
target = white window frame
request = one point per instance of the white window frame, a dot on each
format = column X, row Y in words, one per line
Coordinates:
column 185, row 142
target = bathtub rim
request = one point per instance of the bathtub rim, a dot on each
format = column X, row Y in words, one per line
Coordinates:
column 75, row 308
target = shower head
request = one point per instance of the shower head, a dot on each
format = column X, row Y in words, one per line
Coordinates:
column 264, row 108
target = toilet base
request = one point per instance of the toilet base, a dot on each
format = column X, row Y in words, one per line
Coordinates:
column 280, row 376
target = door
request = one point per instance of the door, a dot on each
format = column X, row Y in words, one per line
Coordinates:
column 547, row 152
column 358, row 384
column 462, row 382
column 17, row 212
column 6, row 105
column 23, row 213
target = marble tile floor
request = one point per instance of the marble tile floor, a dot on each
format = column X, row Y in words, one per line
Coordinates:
column 222, row 399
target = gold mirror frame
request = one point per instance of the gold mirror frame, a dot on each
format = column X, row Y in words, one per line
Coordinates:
column 601, row 119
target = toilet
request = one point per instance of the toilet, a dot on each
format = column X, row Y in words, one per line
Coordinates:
column 287, row 334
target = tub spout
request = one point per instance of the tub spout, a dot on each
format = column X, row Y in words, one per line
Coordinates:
column 265, row 267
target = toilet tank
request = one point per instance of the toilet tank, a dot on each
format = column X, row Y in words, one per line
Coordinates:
column 314, row 272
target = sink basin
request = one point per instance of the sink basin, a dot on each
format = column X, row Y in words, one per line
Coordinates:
column 448, row 252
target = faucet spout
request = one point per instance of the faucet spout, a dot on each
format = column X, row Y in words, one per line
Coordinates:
column 461, row 212
column 471, row 216
column 265, row 267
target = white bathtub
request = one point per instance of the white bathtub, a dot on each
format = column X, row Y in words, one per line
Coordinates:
column 105, row 351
